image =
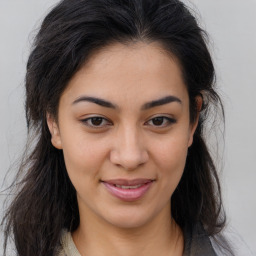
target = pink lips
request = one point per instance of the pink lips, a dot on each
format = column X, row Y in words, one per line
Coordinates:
column 128, row 190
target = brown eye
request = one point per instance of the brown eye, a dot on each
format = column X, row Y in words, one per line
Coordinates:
column 158, row 121
column 96, row 122
column 161, row 121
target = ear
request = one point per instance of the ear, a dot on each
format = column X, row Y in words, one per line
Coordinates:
column 54, row 130
column 193, row 126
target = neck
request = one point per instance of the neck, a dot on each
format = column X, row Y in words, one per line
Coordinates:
column 161, row 237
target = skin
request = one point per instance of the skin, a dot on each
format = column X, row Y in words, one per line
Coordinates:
column 127, row 142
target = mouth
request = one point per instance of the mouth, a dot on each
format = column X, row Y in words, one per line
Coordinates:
column 128, row 187
column 128, row 190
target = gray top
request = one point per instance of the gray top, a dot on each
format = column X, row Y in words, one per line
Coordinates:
column 197, row 242
column 67, row 245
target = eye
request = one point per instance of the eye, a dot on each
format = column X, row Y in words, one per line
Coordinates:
column 96, row 122
column 161, row 121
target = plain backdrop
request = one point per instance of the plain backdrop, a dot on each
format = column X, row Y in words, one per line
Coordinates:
column 231, row 26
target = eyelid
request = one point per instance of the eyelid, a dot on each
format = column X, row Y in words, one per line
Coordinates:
column 85, row 122
column 170, row 121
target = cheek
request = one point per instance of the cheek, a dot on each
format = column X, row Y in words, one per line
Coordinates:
column 83, row 163
column 172, row 149
column 83, row 158
column 171, row 159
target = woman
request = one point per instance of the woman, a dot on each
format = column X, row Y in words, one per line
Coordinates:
column 117, row 97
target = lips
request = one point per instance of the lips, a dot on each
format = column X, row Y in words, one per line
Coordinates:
column 128, row 187
column 128, row 190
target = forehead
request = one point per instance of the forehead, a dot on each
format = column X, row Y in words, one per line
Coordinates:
column 134, row 71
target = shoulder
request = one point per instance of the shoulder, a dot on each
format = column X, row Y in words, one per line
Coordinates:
column 197, row 242
column 67, row 246
column 226, row 243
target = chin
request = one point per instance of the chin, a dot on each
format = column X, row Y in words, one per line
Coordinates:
column 129, row 219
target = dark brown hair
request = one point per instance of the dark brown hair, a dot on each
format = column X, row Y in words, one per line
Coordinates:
column 45, row 201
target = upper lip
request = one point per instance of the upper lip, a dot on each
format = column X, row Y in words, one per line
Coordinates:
column 125, row 182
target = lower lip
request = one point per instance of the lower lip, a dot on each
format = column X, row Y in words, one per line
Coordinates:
column 128, row 194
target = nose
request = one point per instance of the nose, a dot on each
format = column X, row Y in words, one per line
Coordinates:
column 129, row 150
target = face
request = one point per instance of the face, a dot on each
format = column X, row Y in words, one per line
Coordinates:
column 123, row 125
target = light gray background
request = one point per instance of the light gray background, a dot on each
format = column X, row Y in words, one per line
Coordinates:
column 231, row 25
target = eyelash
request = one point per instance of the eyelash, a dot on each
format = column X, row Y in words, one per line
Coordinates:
column 166, row 120
column 90, row 119
column 88, row 122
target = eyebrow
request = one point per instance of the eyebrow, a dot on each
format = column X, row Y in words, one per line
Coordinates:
column 97, row 101
column 148, row 105
column 161, row 101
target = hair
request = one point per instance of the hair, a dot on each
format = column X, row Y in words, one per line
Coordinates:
column 45, row 202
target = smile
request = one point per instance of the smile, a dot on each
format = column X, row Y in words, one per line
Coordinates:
column 128, row 187
column 128, row 190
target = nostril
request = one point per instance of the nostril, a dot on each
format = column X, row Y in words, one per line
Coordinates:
column 128, row 160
